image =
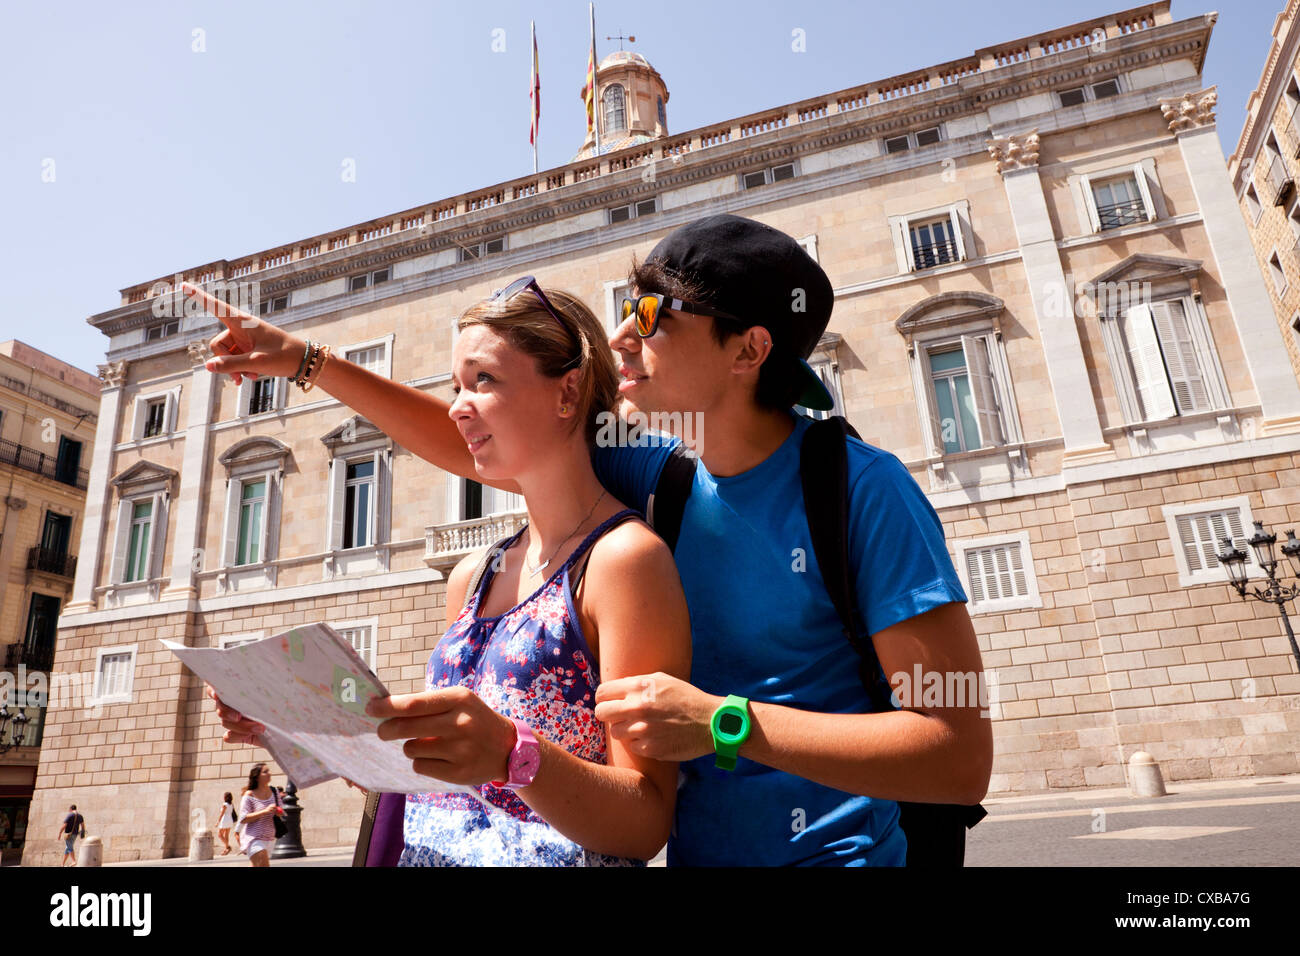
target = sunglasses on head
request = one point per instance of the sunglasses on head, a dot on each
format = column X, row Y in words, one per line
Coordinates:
column 530, row 283
column 519, row 285
column 647, row 309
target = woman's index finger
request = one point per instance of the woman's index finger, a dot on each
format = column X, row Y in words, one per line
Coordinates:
column 236, row 320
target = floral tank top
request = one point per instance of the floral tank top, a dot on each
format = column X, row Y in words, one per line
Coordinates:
column 531, row 663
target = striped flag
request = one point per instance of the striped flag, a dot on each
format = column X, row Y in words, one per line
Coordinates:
column 535, row 92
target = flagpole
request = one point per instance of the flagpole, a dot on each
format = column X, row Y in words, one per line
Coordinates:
column 595, row 67
column 533, row 82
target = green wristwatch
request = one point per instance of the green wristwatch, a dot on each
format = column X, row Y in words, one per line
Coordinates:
column 730, row 726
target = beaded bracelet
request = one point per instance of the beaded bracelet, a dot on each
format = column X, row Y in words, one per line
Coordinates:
column 303, row 364
column 324, row 354
column 313, row 353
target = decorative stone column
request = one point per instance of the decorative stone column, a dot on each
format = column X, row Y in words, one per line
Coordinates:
column 187, row 559
column 1191, row 120
column 95, row 518
column 1017, row 160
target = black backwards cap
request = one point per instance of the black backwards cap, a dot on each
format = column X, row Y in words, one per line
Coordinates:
column 762, row 277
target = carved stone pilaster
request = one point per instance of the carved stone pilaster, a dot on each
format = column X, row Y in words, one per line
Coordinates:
column 113, row 375
column 1189, row 111
column 1018, row 151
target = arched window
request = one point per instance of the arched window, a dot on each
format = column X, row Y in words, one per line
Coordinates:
column 615, row 115
column 663, row 114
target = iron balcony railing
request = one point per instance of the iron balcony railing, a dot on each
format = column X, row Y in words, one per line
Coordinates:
column 1124, row 213
column 29, row 459
column 54, row 562
column 934, row 254
column 36, row 657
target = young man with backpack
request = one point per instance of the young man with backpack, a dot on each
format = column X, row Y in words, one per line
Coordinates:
column 791, row 751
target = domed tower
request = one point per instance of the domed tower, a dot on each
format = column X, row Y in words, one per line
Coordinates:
column 631, row 104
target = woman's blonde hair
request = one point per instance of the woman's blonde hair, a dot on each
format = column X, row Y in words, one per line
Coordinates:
column 579, row 343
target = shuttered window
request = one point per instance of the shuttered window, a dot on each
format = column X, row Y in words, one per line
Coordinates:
column 996, row 573
column 1200, row 536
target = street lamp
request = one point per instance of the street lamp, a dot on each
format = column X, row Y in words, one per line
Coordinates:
column 1263, row 544
column 19, row 721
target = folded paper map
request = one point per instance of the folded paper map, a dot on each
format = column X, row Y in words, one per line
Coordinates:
column 309, row 688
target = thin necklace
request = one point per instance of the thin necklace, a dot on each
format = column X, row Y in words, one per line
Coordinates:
column 531, row 570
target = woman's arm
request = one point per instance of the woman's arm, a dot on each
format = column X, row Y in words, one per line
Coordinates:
column 412, row 418
column 622, row 808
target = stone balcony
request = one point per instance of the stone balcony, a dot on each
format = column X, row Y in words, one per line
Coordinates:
column 445, row 544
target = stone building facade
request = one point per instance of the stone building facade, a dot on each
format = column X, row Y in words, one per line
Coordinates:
column 1046, row 306
column 47, row 419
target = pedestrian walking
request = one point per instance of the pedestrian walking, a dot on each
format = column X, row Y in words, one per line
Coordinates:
column 259, row 805
column 74, row 825
column 228, row 820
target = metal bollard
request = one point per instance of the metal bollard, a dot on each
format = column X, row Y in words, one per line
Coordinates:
column 91, row 852
column 201, row 846
column 1144, row 776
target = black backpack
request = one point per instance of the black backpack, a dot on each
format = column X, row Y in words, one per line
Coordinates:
column 936, row 832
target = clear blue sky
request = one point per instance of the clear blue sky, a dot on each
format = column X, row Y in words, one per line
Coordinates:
column 165, row 158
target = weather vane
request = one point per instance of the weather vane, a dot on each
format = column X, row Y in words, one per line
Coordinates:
column 620, row 40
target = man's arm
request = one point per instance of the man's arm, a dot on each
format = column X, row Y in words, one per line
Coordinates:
column 940, row 754
column 924, row 754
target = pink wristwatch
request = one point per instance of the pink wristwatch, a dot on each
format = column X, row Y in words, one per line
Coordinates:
column 525, row 758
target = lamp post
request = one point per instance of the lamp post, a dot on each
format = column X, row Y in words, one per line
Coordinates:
column 19, row 728
column 1274, row 592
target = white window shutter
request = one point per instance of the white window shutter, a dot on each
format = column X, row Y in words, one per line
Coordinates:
column 243, row 394
column 983, row 390
column 338, row 480
column 137, row 422
column 1090, row 203
column 157, row 535
column 930, row 408
column 1180, row 355
column 975, row 576
column 958, row 233
column 173, row 409
column 902, row 245
column 282, row 393
column 267, row 494
column 125, row 510
column 270, row 507
column 376, row 491
column 1121, row 374
column 1144, row 188
column 230, row 541
column 1148, row 366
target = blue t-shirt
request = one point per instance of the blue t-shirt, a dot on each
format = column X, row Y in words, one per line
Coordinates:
column 763, row 627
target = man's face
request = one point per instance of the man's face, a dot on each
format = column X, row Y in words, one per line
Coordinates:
column 681, row 368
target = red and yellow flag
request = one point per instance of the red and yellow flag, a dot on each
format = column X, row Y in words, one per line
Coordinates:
column 535, row 92
column 589, row 91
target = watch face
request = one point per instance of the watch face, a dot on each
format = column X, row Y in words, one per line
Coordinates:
column 730, row 724
column 524, row 764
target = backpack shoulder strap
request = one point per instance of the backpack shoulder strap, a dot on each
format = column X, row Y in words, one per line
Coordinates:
column 480, row 569
column 667, row 504
column 824, row 475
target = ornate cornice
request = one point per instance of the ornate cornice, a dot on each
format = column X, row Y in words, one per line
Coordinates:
column 1017, row 151
column 1190, row 111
